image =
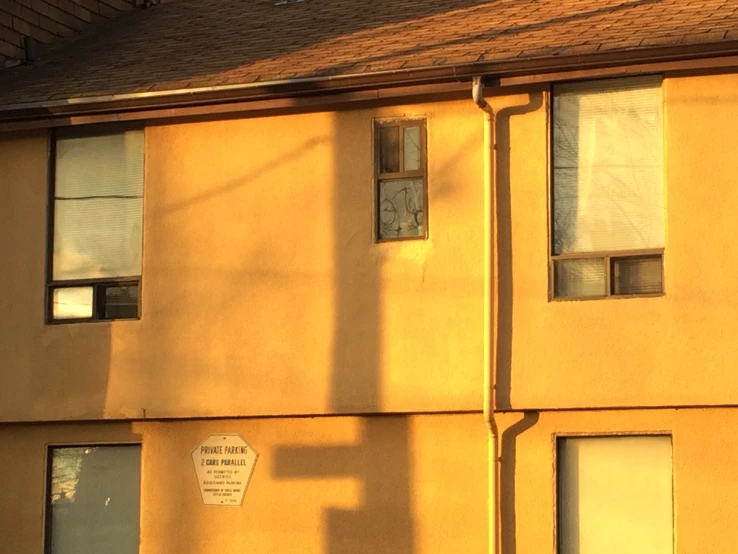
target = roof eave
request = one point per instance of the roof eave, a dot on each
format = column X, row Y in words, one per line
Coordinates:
column 505, row 72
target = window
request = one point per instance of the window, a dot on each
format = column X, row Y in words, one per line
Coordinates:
column 615, row 495
column 96, row 224
column 93, row 499
column 608, row 191
column 401, row 185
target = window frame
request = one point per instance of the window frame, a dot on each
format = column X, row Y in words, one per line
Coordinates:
column 559, row 437
column 609, row 256
column 402, row 123
column 97, row 284
column 48, row 467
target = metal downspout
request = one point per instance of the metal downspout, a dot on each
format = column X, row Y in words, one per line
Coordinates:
column 490, row 301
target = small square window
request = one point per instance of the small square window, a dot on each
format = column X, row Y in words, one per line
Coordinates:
column 94, row 499
column 401, row 180
column 96, row 225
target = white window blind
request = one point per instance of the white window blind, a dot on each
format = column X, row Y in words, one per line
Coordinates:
column 98, row 205
column 615, row 495
column 608, row 165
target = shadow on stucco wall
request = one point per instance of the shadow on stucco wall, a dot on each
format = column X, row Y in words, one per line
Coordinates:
column 503, row 214
column 503, row 348
column 380, row 459
column 49, row 371
column 507, row 480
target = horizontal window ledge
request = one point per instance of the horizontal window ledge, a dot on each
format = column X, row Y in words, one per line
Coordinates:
column 402, row 175
column 609, row 254
column 77, row 282
column 403, row 238
column 89, row 320
column 607, row 297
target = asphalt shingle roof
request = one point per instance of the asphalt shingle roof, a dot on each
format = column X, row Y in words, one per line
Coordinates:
column 202, row 43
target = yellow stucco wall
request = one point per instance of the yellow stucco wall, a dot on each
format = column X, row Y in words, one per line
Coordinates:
column 676, row 349
column 704, row 453
column 332, row 484
column 380, row 484
column 263, row 292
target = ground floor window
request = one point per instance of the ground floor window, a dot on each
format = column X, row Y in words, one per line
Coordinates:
column 93, row 499
column 615, row 495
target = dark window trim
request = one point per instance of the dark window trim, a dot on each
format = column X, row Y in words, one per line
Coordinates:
column 608, row 258
column 606, row 255
column 96, row 283
column 98, row 307
column 402, row 123
column 49, row 460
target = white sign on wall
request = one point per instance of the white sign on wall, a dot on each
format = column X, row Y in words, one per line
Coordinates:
column 224, row 464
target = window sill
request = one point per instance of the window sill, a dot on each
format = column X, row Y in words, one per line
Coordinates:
column 55, row 322
column 607, row 297
column 400, row 239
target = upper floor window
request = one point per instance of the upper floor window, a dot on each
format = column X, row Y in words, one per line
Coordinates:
column 401, row 183
column 608, row 189
column 97, row 212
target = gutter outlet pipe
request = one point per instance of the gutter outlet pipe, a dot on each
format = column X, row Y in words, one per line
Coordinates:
column 489, row 306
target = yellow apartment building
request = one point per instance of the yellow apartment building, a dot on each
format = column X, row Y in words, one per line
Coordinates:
column 408, row 278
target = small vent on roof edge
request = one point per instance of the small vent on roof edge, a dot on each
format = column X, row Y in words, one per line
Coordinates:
column 283, row 2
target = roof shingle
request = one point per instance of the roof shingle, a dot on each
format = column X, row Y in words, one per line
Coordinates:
column 201, row 43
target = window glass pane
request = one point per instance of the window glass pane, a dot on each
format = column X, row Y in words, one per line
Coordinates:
column 637, row 275
column 72, row 303
column 615, row 495
column 121, row 302
column 100, row 165
column 401, row 208
column 94, row 503
column 608, row 166
column 579, row 277
column 98, row 205
column 389, row 149
column 97, row 237
column 411, row 149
